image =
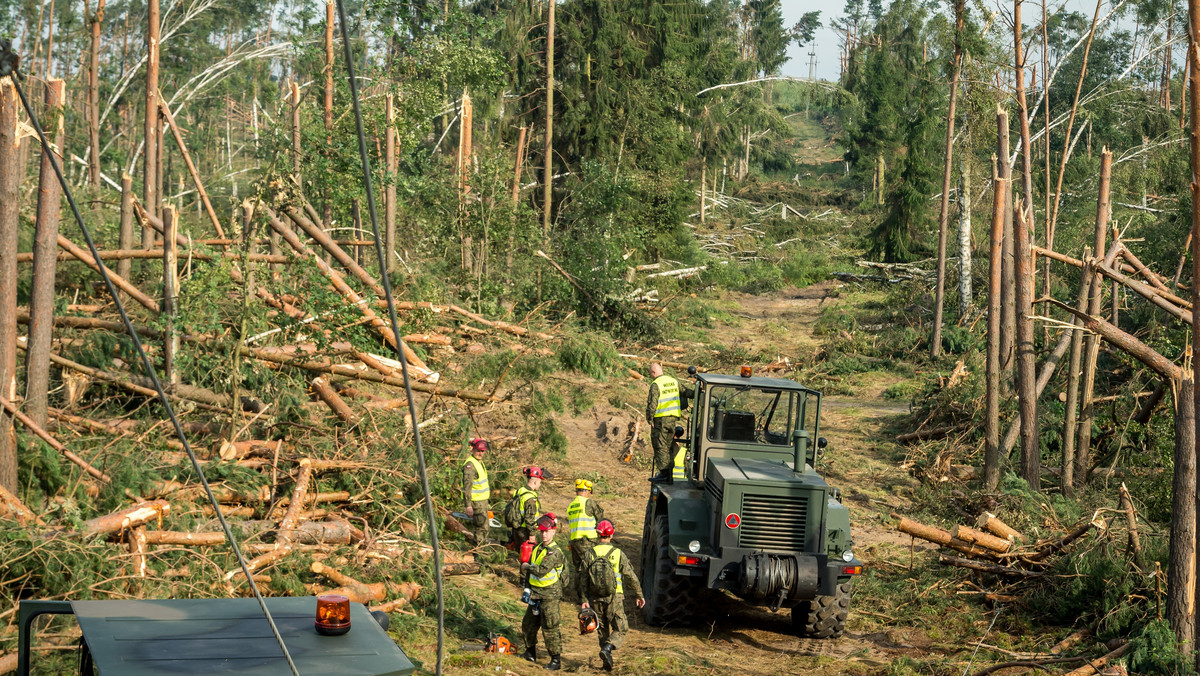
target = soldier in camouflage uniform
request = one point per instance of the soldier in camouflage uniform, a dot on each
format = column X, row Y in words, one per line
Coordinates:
column 476, row 490
column 547, row 570
column 530, row 507
column 610, row 610
column 582, row 516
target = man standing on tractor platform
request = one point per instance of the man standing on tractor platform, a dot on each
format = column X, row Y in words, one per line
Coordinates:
column 522, row 512
column 601, row 584
column 663, row 407
column 476, row 490
column 547, row 570
column 582, row 516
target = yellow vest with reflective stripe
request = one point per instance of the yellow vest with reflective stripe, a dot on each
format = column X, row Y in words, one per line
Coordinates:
column 524, row 493
column 582, row 525
column 539, row 553
column 680, row 471
column 668, row 397
column 479, row 487
column 614, row 557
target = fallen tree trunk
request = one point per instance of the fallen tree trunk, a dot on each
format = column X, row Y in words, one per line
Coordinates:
column 335, row 403
column 993, row 568
column 54, row 443
column 118, row 281
column 11, row 505
column 156, row 253
column 288, row 524
column 1093, row 667
column 1046, row 549
column 927, row 434
column 322, row 238
column 1155, row 296
column 991, row 523
column 968, row 534
column 130, row 517
column 1118, row 338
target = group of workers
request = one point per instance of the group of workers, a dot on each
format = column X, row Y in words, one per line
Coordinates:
column 601, row 597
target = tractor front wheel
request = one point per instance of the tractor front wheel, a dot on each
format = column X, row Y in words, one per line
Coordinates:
column 670, row 598
column 824, row 616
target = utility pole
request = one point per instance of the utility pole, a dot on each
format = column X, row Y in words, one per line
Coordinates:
column 812, row 62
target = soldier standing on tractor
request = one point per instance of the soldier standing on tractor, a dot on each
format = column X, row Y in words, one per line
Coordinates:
column 602, row 579
column 582, row 516
column 663, row 407
column 547, row 570
column 476, row 490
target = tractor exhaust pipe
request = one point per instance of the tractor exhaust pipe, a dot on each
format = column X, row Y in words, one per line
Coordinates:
column 800, row 450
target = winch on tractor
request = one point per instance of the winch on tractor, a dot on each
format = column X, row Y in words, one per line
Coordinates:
column 753, row 517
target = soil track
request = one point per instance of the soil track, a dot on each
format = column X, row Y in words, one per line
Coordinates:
column 731, row 637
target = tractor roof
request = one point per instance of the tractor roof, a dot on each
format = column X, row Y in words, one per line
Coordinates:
column 754, row 381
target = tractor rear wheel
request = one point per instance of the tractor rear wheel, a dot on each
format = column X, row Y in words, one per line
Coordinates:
column 824, row 616
column 670, row 598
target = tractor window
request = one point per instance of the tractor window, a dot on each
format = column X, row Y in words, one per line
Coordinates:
column 752, row 415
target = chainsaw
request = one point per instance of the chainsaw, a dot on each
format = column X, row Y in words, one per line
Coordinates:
column 494, row 644
column 493, row 522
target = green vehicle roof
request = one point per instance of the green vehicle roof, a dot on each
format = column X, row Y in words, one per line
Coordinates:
column 754, row 381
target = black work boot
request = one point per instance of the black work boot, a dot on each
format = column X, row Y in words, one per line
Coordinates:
column 554, row 664
column 530, row 654
column 606, row 656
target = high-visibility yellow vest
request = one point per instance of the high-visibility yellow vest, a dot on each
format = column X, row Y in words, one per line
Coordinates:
column 679, row 473
column 613, row 555
column 668, row 397
column 524, row 493
column 582, row 525
column 480, row 490
column 553, row 575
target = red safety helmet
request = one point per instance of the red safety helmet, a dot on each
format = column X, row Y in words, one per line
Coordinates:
column 588, row 621
column 533, row 471
column 547, row 521
column 478, row 444
column 605, row 528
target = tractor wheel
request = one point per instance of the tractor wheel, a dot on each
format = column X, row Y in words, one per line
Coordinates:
column 824, row 616
column 670, row 598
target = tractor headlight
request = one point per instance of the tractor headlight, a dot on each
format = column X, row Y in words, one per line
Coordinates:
column 694, row 546
column 847, row 556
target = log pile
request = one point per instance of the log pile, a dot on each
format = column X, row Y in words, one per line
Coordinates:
column 993, row 547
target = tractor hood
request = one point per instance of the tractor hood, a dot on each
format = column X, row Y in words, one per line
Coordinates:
column 762, row 506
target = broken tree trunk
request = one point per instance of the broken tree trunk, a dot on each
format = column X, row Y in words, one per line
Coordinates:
column 1181, row 570
column 1046, row 549
column 45, row 248
column 988, row 567
column 1091, row 342
column 944, row 215
column 12, row 507
column 1135, row 544
column 290, row 519
column 10, row 227
column 389, row 195
column 1071, row 415
column 191, row 166
column 1156, row 297
column 1008, row 306
column 329, row 245
column 150, row 149
column 170, row 291
column 93, row 97
column 1134, row 347
column 125, row 234
column 41, row 433
column 1094, row 666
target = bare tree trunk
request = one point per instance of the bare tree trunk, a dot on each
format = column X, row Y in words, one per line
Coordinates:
column 389, row 196
column 547, row 179
column 519, row 164
column 1071, row 416
column 1008, row 306
column 964, row 238
column 1026, row 148
column 150, row 150
column 93, row 94
column 170, row 294
column 1031, row 463
column 327, row 216
column 935, row 347
column 10, row 226
column 125, row 234
column 1083, row 458
column 992, row 456
column 294, row 92
column 187, row 158
column 1181, row 573
column 703, row 180
column 1193, row 29
column 45, row 258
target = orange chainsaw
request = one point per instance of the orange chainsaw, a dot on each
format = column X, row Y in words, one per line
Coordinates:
column 494, row 644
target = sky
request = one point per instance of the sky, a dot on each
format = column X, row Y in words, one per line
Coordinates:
column 825, row 44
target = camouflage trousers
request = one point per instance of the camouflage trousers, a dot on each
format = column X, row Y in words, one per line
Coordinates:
column 612, row 624
column 579, row 549
column 662, row 439
column 549, row 620
column 480, row 507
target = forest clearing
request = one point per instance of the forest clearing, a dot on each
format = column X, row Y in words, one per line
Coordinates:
column 267, row 270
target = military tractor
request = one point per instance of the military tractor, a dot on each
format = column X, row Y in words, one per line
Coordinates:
column 753, row 516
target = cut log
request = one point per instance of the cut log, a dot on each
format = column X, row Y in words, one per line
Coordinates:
column 993, row 568
column 136, row 538
column 930, row 533
column 992, row 524
column 171, row 537
column 361, row 593
column 291, row 518
column 130, row 517
column 461, row 569
column 968, row 534
column 335, row 402
column 333, row 575
column 428, row 339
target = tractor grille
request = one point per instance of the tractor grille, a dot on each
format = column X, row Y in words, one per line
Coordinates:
column 773, row 522
column 715, row 494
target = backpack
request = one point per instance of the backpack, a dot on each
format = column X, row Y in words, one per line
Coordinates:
column 514, row 517
column 602, row 579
